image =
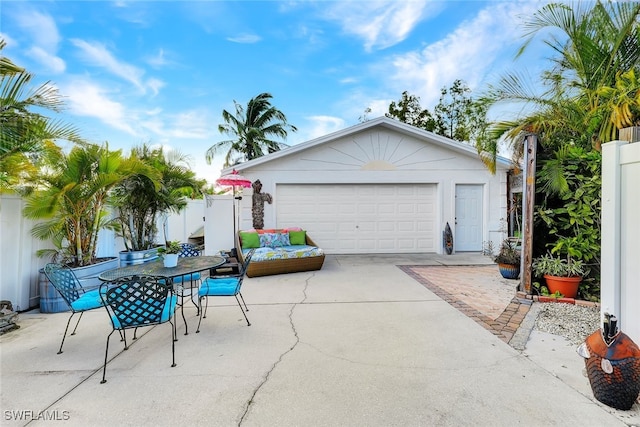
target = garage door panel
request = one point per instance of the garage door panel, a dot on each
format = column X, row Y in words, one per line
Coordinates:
column 407, row 226
column 365, row 227
column 362, row 218
column 386, row 227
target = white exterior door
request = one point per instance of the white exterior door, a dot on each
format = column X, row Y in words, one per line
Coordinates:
column 362, row 218
column 468, row 229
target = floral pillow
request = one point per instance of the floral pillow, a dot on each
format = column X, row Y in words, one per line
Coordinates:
column 274, row 240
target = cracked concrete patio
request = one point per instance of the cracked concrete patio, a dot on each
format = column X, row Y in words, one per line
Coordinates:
column 357, row 343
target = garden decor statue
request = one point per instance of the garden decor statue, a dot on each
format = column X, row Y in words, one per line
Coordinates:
column 257, row 210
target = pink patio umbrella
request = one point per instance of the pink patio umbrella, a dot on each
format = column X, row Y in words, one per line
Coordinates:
column 234, row 179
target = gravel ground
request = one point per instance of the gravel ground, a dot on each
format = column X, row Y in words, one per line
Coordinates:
column 571, row 321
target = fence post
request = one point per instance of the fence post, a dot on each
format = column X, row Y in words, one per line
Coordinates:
column 610, row 233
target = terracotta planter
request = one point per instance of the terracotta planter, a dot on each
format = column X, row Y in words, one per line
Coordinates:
column 567, row 286
column 509, row 271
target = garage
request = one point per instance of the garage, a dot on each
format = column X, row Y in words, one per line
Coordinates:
column 381, row 186
column 362, row 218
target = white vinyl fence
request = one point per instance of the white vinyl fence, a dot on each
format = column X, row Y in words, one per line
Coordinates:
column 620, row 288
column 19, row 265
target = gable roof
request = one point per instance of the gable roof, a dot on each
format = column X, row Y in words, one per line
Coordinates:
column 384, row 122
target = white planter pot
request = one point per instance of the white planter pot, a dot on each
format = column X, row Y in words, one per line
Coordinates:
column 170, row 260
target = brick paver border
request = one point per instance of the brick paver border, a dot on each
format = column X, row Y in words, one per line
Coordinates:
column 504, row 327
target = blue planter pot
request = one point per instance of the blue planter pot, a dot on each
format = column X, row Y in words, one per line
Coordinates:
column 509, row 271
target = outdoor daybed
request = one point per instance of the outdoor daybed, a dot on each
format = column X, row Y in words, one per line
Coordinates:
column 279, row 251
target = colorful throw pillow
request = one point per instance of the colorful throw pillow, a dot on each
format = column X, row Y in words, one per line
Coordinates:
column 267, row 239
column 274, row 240
column 298, row 237
column 283, row 239
column 249, row 240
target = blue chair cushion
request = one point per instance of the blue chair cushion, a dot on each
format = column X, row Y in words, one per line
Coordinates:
column 88, row 301
column 218, row 287
column 186, row 278
column 167, row 313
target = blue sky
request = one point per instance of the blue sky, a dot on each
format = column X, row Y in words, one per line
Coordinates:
column 162, row 72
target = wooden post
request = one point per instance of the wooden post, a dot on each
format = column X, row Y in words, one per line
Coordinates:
column 528, row 203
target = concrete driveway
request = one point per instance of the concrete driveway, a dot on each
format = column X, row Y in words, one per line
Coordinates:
column 359, row 342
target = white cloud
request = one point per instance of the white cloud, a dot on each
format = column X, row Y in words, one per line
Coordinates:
column 158, row 60
column 10, row 41
column 42, row 29
column 55, row 64
column 245, row 38
column 380, row 24
column 87, row 99
column 320, row 126
column 98, row 55
column 155, row 85
column 46, row 39
column 468, row 53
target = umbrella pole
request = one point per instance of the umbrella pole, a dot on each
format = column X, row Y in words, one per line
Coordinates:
column 234, row 250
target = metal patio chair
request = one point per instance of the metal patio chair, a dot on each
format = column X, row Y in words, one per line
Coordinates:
column 224, row 286
column 135, row 302
column 77, row 298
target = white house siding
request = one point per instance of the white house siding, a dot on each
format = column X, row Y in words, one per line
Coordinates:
column 372, row 156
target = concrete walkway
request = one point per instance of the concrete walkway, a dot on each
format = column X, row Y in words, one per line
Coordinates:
column 360, row 342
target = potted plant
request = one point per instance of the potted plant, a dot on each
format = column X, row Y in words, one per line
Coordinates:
column 69, row 201
column 169, row 253
column 562, row 275
column 508, row 260
column 142, row 198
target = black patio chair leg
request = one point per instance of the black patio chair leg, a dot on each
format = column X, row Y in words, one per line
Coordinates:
column 77, row 323
column 124, row 337
column 201, row 312
column 184, row 319
column 206, row 307
column 65, row 332
column 243, row 313
column 174, row 338
column 106, row 355
column 245, row 304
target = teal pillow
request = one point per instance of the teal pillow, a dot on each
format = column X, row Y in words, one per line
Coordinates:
column 249, row 240
column 298, row 237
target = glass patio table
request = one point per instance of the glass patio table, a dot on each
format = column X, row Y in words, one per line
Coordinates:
column 185, row 267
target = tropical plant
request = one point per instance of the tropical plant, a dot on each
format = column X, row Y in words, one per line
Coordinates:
column 252, row 129
column 589, row 85
column 24, row 133
column 165, row 186
column 508, row 254
column 171, row 247
column 71, row 199
column 551, row 265
column 569, row 209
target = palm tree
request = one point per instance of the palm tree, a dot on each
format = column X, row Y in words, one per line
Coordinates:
column 252, row 130
column 71, row 197
column 164, row 187
column 25, row 134
column 600, row 45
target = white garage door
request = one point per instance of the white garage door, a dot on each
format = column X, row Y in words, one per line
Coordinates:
column 362, row 218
